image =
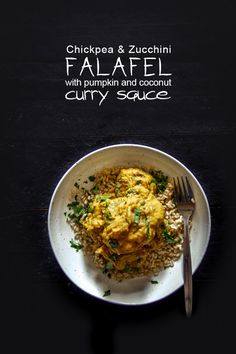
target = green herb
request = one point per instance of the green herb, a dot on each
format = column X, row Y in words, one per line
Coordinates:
column 114, row 257
column 95, row 190
column 154, row 282
column 107, row 293
column 108, row 214
column 113, row 243
column 76, row 245
column 90, row 209
column 77, row 211
column 147, row 223
column 72, row 204
column 137, row 214
column 131, row 191
column 159, row 179
column 107, row 272
column 127, row 269
column 91, row 178
column 139, row 182
column 76, row 185
column 102, row 198
column 65, row 213
column 168, row 237
column 109, row 266
column 117, row 188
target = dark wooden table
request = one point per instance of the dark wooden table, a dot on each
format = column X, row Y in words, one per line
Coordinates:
column 42, row 134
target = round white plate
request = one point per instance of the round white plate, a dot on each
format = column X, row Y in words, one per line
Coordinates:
column 80, row 270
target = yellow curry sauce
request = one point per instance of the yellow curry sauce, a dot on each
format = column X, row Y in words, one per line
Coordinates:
column 128, row 219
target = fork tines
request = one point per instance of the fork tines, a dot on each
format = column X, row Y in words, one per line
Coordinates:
column 182, row 190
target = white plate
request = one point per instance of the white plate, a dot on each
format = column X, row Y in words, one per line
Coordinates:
column 80, row 270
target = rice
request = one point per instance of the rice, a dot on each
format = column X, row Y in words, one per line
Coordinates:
column 153, row 260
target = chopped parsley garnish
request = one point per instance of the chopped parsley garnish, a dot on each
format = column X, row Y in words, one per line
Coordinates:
column 103, row 198
column 159, row 179
column 114, row 257
column 139, row 181
column 137, row 214
column 168, row 237
column 107, row 269
column 91, row 178
column 109, row 266
column 127, row 268
column 131, row 191
column 117, row 188
column 113, row 243
column 107, row 293
column 90, row 209
column 95, row 190
column 154, row 281
column 130, row 269
column 76, row 211
column 76, row 184
column 76, row 245
column 108, row 214
column 147, row 223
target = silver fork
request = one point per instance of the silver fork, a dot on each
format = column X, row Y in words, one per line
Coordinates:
column 185, row 203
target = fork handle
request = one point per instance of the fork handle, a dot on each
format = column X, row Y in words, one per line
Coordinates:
column 188, row 287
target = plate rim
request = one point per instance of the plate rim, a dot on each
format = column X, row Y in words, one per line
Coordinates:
column 108, row 147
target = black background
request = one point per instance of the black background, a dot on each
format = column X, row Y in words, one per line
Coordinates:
column 42, row 134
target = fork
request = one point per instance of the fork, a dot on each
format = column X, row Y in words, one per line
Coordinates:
column 185, row 203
